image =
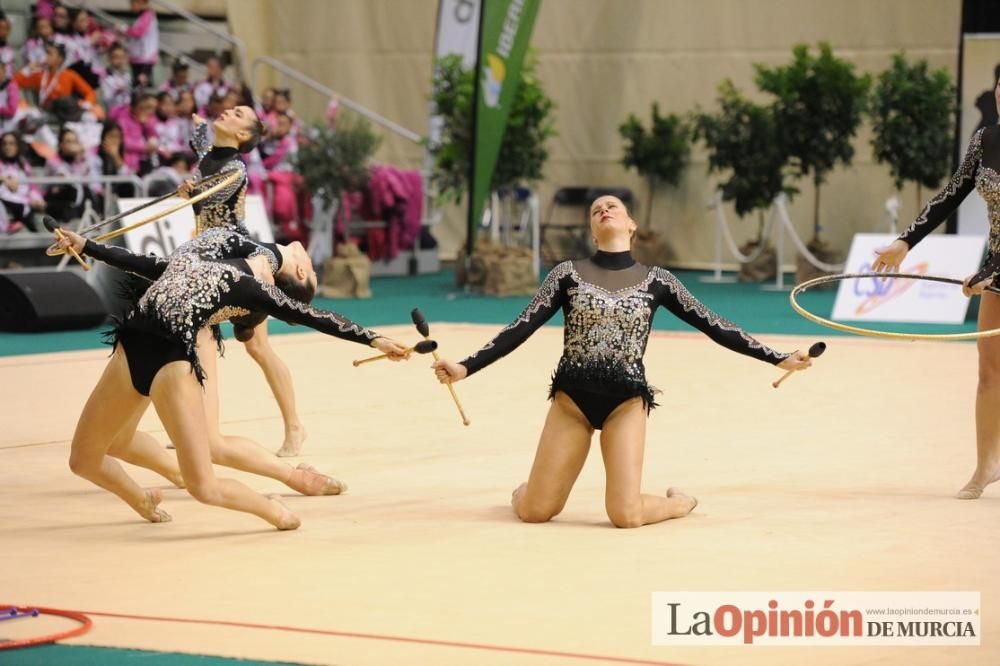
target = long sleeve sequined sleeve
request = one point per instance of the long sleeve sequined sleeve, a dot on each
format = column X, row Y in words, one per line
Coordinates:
column 547, row 301
column 947, row 200
column 259, row 297
column 199, row 141
column 144, row 265
column 675, row 297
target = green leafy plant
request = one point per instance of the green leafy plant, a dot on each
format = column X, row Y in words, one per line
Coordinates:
column 522, row 151
column 743, row 143
column 336, row 160
column 659, row 154
column 912, row 111
column 818, row 106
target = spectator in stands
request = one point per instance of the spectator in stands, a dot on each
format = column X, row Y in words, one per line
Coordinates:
column 45, row 8
column 138, row 132
column 33, row 50
column 10, row 100
column 213, row 85
column 231, row 100
column 61, row 24
column 288, row 191
column 116, row 87
column 111, row 155
column 143, row 43
column 60, row 91
column 178, row 81
column 19, row 199
column 169, row 129
column 184, row 110
column 6, row 50
column 82, row 54
column 167, row 178
column 216, row 105
column 66, row 202
column 282, row 106
column 266, row 102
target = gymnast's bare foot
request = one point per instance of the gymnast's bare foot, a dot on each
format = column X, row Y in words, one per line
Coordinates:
column 149, row 508
column 684, row 504
column 977, row 484
column 308, row 481
column 295, row 436
column 286, row 520
column 516, row 495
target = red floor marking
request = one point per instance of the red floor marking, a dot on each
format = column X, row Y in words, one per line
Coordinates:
column 386, row 637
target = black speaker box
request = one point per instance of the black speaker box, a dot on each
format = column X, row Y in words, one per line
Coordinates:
column 48, row 300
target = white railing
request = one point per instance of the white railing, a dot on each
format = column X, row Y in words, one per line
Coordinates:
column 328, row 92
column 131, row 179
column 222, row 35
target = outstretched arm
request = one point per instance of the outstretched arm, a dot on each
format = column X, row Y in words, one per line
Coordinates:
column 148, row 266
column 258, row 296
column 679, row 301
column 947, row 200
column 546, row 302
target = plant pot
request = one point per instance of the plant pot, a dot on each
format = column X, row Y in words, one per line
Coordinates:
column 652, row 248
column 346, row 275
column 825, row 253
column 761, row 269
column 496, row 270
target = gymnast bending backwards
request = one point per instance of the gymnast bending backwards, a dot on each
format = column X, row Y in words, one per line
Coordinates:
column 608, row 302
column 237, row 131
column 156, row 359
column 219, row 217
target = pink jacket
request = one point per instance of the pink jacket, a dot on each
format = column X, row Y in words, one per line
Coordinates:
column 135, row 136
column 144, row 39
column 281, row 158
column 24, row 194
column 10, row 98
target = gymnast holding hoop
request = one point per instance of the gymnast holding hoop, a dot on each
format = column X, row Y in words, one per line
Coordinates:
column 217, row 193
column 156, row 359
column 600, row 384
column 980, row 170
column 236, row 131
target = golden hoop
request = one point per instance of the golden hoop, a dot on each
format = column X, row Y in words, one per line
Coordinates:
column 873, row 333
column 54, row 250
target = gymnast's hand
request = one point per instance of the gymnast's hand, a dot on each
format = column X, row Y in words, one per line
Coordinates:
column 71, row 239
column 890, row 257
column 184, row 189
column 976, row 290
column 197, row 120
column 394, row 350
column 799, row 360
column 449, row 372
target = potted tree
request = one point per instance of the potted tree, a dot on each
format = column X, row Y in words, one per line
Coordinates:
column 912, row 110
column 522, row 157
column 743, row 143
column 819, row 101
column 499, row 270
column 333, row 162
column 337, row 160
column 660, row 155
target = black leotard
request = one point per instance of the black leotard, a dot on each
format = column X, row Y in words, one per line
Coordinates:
column 980, row 170
column 608, row 302
column 205, row 282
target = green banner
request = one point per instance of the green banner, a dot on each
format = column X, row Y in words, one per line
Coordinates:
column 503, row 42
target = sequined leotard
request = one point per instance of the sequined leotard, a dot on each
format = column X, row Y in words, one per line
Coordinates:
column 608, row 302
column 980, row 169
column 204, row 282
column 225, row 208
